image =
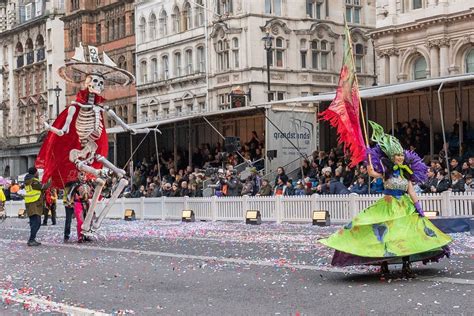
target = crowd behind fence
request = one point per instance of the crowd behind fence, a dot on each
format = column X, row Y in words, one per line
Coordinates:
column 273, row 208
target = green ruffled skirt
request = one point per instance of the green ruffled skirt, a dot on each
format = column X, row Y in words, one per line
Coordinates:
column 388, row 230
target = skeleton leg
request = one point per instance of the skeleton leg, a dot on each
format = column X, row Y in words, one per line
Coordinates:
column 86, row 226
column 121, row 185
column 120, row 172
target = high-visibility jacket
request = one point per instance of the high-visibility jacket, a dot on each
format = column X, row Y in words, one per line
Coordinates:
column 2, row 195
column 32, row 195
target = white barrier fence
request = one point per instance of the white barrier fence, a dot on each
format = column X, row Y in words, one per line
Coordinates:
column 278, row 209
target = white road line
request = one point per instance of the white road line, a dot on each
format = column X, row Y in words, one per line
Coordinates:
column 193, row 257
column 47, row 304
column 270, row 242
column 449, row 280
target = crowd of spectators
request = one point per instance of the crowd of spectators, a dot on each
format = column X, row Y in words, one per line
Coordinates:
column 321, row 173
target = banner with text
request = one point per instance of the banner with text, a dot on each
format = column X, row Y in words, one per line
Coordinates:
column 295, row 126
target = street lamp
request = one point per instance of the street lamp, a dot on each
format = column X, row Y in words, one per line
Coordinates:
column 268, row 42
column 57, row 92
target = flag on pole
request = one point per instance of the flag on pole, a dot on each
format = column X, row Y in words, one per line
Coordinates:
column 343, row 113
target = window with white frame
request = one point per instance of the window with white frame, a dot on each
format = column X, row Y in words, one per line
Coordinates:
column 315, row 8
column 470, row 61
column 223, row 100
column 163, row 23
column 320, row 55
column 235, row 52
column 224, row 7
column 187, row 13
column 143, row 72
column 165, row 71
column 199, row 10
column 416, row 4
column 359, row 53
column 152, row 24
column 222, row 50
column 273, row 7
column 188, row 59
column 419, row 68
column 177, row 64
column 201, row 59
column 154, row 69
column 142, row 28
column 176, row 20
column 279, row 52
column 353, row 11
column 303, row 53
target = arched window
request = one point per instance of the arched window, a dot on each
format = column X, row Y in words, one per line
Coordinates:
column 176, row 20
column 112, row 29
column 201, row 59
column 154, row 69
column 165, row 71
column 359, row 57
column 152, row 24
column 199, row 10
column 188, row 60
column 107, row 25
column 40, row 55
column 122, row 26
column 187, row 14
column 163, row 23
column 222, row 50
column 470, row 61
column 142, row 28
column 143, row 72
column 419, row 68
column 279, row 52
column 30, row 56
column 122, row 63
column 177, row 65
column 235, row 52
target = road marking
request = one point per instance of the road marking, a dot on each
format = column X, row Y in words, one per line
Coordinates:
column 449, row 280
column 275, row 263
column 47, row 304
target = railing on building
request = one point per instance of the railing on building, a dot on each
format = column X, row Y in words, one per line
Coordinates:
column 291, row 209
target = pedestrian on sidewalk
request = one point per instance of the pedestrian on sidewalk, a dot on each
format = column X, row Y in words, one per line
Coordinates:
column 34, row 202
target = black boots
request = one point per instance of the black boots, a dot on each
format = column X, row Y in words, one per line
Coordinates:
column 384, row 272
column 406, row 269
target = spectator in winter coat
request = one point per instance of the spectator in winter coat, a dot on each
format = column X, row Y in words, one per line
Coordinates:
column 333, row 187
column 289, row 188
column 265, row 189
column 299, row 189
column 360, row 187
column 281, row 174
column 457, row 182
column 431, row 181
column 469, row 186
column 441, row 184
column 280, row 188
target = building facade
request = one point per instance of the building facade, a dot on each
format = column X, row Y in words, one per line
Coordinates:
column 29, row 56
column 199, row 56
column 417, row 39
column 108, row 25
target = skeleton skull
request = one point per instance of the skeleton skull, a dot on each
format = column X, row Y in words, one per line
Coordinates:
column 95, row 84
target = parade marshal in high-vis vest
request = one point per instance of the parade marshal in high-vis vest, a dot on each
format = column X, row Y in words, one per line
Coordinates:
column 34, row 202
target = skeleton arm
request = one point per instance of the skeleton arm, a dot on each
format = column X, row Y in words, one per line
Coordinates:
column 65, row 129
column 125, row 126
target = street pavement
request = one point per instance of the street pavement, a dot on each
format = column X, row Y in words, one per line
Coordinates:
column 204, row 268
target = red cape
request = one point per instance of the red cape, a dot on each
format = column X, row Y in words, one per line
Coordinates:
column 54, row 153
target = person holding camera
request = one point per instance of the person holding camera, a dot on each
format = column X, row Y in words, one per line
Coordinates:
column 230, row 184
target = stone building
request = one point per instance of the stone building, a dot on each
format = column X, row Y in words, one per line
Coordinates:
column 192, row 56
column 29, row 56
column 108, row 25
column 417, row 39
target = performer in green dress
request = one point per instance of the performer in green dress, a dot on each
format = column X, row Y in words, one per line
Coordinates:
column 393, row 229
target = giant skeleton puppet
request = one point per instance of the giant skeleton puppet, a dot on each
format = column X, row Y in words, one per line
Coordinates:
column 77, row 140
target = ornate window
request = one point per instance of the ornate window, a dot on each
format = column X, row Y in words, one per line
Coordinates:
column 222, row 50
column 122, row 63
column 419, row 68
column 177, row 64
column 279, row 52
column 273, row 7
column 353, row 11
column 320, row 55
column 188, row 59
column 152, row 24
column 235, row 52
column 143, row 72
column 176, row 20
column 199, row 10
column 163, row 23
column 154, row 69
column 359, row 53
column 470, row 61
column 142, row 28
column 165, row 68
column 224, row 7
column 187, row 14
column 201, row 59
column 303, row 53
